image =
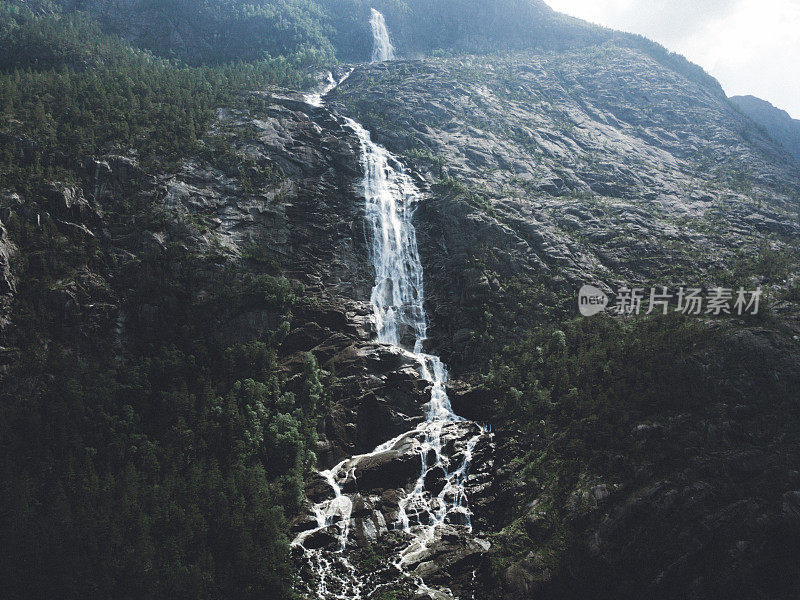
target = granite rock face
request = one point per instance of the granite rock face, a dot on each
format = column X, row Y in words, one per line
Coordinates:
column 552, row 170
column 305, row 217
column 543, row 172
column 7, row 279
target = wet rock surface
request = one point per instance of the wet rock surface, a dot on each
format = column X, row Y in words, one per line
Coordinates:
column 375, row 485
column 7, row 279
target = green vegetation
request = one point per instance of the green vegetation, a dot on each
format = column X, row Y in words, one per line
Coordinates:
column 592, row 369
column 168, row 476
column 207, row 32
column 392, row 595
column 69, row 92
column 575, row 395
column 771, row 264
column 166, row 468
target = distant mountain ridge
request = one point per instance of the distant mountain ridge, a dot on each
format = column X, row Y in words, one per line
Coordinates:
column 221, row 31
column 778, row 123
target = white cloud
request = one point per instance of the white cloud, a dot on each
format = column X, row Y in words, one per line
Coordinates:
column 672, row 20
column 751, row 46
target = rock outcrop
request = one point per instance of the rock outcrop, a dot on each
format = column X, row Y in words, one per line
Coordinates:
column 547, row 172
column 7, row 279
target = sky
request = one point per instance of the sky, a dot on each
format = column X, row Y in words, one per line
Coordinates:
column 750, row 46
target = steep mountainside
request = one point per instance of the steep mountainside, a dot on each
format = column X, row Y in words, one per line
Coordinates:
column 546, row 171
column 593, row 165
column 216, row 31
column 191, row 369
column 777, row 122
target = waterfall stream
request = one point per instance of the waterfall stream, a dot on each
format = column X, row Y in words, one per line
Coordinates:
column 397, row 301
column 382, row 46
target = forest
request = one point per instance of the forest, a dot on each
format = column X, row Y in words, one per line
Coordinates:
column 157, row 429
column 173, row 474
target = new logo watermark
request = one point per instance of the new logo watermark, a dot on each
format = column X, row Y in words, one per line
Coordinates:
column 686, row 300
column 591, row 300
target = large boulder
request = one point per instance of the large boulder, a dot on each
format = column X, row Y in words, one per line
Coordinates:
column 394, row 468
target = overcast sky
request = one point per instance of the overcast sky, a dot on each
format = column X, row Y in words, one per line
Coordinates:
column 750, row 46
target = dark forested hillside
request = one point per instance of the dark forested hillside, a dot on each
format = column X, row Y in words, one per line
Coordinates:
column 165, row 465
column 146, row 450
column 188, row 329
column 209, row 31
column 69, row 91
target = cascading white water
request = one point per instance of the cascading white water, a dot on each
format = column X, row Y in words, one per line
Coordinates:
column 398, row 305
column 336, row 578
column 315, row 98
column 397, row 301
column 397, row 297
column 382, row 46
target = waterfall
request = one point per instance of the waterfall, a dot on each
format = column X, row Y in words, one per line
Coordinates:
column 444, row 441
column 398, row 294
column 315, row 98
column 397, row 300
column 382, row 46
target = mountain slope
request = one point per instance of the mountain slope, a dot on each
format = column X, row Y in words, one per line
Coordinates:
column 186, row 333
column 590, row 165
column 777, row 122
column 218, row 31
column 548, row 171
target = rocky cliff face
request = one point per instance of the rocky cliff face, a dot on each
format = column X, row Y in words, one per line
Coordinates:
column 7, row 280
column 777, row 122
column 298, row 213
column 540, row 172
column 536, row 182
column 587, row 166
column 545, row 172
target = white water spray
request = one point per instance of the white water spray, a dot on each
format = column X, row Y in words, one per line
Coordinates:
column 382, row 49
column 397, row 301
column 315, row 98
